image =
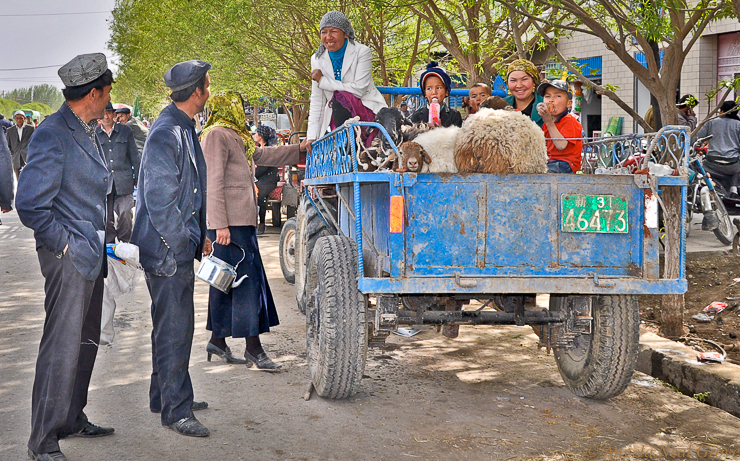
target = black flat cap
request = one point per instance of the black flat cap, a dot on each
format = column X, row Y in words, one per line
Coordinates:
column 83, row 69
column 109, row 107
column 123, row 110
column 185, row 74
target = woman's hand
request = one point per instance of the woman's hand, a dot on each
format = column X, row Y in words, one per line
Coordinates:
column 316, row 75
column 306, row 145
column 223, row 236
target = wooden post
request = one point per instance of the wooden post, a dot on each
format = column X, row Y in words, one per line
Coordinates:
column 671, row 314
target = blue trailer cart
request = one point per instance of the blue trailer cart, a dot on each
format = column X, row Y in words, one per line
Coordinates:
column 379, row 250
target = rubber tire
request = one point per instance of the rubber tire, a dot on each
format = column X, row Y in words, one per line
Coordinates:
column 309, row 227
column 600, row 365
column 336, row 319
column 290, row 211
column 287, row 242
column 723, row 235
column 277, row 216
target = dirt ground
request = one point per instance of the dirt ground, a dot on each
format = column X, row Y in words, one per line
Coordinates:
column 711, row 277
column 489, row 394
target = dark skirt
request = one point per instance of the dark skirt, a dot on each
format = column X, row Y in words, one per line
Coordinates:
column 247, row 310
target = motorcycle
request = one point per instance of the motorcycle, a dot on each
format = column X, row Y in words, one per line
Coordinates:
column 708, row 195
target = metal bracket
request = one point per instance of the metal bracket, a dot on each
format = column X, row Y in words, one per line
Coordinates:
column 599, row 283
column 405, row 180
column 465, row 283
column 386, row 312
column 642, row 181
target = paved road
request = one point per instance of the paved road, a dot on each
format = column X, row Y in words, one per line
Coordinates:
column 488, row 395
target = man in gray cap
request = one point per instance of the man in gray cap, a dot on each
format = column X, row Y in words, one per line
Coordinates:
column 61, row 196
column 170, row 230
column 123, row 160
column 123, row 115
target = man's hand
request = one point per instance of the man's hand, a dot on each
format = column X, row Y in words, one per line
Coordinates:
column 223, row 236
column 306, row 145
column 207, row 247
column 316, row 75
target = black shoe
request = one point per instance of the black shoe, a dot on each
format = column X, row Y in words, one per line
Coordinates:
column 734, row 196
column 53, row 456
column 93, row 430
column 261, row 228
column 710, row 221
column 224, row 354
column 195, row 406
column 190, row 427
column 262, row 361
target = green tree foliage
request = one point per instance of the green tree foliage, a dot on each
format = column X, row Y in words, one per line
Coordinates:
column 8, row 106
column 628, row 27
column 38, row 106
column 49, row 95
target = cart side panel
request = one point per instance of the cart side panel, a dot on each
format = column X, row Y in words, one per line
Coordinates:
column 485, row 225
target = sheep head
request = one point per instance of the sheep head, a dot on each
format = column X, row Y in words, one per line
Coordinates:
column 496, row 102
column 413, row 157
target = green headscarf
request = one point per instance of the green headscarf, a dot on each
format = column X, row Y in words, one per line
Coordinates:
column 525, row 66
column 227, row 110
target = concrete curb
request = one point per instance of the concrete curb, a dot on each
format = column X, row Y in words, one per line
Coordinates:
column 676, row 364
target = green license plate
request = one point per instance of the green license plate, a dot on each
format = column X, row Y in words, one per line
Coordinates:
column 606, row 214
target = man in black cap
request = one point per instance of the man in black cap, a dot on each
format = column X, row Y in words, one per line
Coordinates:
column 61, row 196
column 123, row 115
column 170, row 230
column 123, row 160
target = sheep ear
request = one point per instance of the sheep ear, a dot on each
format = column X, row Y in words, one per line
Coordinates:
column 426, row 156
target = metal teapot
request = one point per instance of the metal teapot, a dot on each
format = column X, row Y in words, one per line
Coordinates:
column 218, row 273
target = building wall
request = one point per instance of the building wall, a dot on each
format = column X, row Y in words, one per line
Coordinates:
column 698, row 75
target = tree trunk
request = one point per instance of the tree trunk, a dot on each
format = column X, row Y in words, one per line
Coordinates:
column 671, row 314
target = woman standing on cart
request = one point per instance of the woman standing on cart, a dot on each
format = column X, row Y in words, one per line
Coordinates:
column 342, row 84
column 247, row 310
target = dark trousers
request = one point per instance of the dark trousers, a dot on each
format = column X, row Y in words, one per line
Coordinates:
column 67, row 351
column 173, row 317
column 120, row 217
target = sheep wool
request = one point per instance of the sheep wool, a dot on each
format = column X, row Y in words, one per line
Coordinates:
column 500, row 142
column 440, row 145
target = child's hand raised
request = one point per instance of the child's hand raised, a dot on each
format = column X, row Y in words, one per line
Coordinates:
column 544, row 112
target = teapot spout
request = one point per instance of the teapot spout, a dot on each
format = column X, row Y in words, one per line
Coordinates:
column 239, row 282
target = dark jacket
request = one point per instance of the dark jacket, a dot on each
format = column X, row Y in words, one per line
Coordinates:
column 6, row 175
column 140, row 132
column 19, row 147
column 447, row 116
column 123, row 157
column 173, row 170
column 61, row 193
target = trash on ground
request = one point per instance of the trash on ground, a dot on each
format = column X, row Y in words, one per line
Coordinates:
column 406, row 332
column 703, row 318
column 714, row 357
column 716, row 307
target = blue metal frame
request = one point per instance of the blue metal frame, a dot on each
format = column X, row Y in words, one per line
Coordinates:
column 442, row 269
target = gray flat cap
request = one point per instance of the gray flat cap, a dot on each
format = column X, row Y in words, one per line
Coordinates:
column 123, row 110
column 185, row 74
column 83, row 69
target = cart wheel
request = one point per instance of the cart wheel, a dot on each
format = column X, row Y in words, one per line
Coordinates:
column 277, row 216
column 309, row 227
column 600, row 365
column 336, row 326
column 287, row 250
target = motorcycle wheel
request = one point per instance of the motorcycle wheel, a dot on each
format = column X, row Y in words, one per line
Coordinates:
column 725, row 232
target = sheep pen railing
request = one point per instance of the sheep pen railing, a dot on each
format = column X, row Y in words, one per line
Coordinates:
column 626, row 154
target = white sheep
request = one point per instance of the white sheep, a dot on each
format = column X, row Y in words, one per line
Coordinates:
column 439, row 143
column 500, row 142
